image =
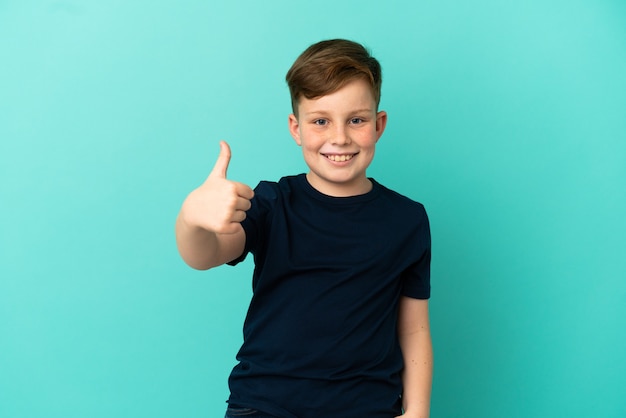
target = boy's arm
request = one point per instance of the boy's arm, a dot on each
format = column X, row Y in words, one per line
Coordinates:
column 208, row 228
column 202, row 249
column 417, row 350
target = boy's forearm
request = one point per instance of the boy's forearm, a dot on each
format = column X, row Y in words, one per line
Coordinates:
column 197, row 246
column 418, row 371
column 417, row 351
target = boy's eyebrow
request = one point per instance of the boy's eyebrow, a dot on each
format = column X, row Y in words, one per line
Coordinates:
column 324, row 112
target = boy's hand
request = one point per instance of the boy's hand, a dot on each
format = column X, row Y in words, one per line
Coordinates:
column 218, row 205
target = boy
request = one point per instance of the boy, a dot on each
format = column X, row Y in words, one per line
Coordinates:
column 338, row 323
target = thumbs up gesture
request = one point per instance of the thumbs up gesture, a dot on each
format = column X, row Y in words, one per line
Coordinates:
column 219, row 204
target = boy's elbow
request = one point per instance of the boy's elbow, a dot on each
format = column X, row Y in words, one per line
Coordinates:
column 194, row 259
column 198, row 266
column 198, row 263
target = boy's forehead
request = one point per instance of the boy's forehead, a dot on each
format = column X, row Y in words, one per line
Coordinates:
column 356, row 95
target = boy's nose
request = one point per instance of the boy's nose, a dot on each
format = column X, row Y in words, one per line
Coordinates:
column 341, row 136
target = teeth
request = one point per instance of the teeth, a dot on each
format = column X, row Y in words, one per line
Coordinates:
column 340, row 158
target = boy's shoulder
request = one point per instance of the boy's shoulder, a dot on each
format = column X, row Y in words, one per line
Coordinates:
column 284, row 184
column 396, row 196
column 268, row 192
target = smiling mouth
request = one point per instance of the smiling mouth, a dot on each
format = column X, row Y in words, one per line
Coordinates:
column 340, row 158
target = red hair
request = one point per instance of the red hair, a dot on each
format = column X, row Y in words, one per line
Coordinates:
column 327, row 66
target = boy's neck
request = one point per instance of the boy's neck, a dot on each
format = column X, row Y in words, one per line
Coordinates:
column 360, row 187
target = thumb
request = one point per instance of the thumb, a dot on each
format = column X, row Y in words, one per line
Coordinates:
column 221, row 165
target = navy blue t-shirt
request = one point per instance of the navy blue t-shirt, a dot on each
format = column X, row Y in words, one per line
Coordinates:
column 320, row 336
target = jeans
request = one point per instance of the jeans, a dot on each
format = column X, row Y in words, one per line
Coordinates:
column 234, row 411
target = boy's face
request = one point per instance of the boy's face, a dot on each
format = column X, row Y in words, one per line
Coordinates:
column 338, row 134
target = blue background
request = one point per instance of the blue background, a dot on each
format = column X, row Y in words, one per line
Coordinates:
column 506, row 119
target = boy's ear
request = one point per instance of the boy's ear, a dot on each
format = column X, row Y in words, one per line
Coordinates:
column 294, row 128
column 381, row 123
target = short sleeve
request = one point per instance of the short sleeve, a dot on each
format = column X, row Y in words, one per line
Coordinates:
column 256, row 218
column 416, row 278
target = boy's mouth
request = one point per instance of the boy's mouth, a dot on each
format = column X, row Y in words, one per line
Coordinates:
column 339, row 158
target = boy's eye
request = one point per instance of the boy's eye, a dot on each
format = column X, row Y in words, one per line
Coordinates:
column 320, row 122
column 356, row 121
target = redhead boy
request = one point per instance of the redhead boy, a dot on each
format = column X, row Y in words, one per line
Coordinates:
column 338, row 323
